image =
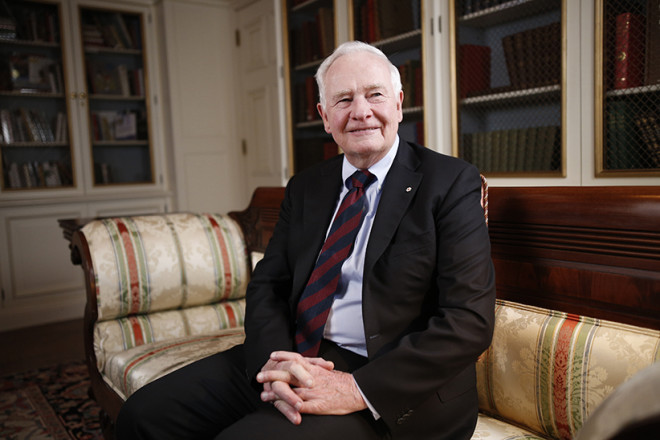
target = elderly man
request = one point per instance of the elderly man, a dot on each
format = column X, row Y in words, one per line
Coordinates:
column 372, row 303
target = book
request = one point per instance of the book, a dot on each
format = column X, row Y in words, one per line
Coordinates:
column 473, row 69
column 629, row 51
column 395, row 17
column 624, row 143
column 649, row 127
column 652, row 68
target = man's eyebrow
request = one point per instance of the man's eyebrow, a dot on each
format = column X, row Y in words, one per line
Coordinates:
column 347, row 92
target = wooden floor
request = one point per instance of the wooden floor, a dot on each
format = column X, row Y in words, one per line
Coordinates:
column 42, row 346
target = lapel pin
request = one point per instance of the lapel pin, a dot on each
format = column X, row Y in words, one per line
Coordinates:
column 408, row 189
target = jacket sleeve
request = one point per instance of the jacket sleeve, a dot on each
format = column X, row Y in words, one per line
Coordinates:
column 268, row 321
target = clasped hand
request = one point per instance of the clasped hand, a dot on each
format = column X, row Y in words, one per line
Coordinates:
column 299, row 385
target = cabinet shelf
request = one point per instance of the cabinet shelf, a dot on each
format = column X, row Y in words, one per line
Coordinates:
column 408, row 40
column 514, row 96
column 30, row 43
column 633, row 91
column 505, row 12
column 309, row 4
column 31, row 94
column 111, row 50
column 35, row 144
column 122, row 143
column 104, row 97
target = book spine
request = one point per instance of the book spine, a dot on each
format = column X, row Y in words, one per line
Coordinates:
column 629, row 61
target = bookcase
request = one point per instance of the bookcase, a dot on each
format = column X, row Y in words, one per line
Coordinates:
column 395, row 27
column 116, row 90
column 627, row 95
column 103, row 127
column 35, row 147
column 507, row 67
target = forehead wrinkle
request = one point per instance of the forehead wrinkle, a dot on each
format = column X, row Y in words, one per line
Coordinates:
column 366, row 88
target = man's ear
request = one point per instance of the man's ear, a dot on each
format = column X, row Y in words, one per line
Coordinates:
column 324, row 117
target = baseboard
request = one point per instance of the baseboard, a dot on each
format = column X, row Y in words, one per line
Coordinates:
column 38, row 312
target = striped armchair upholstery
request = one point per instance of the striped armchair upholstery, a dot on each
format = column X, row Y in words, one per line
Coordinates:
column 547, row 371
column 170, row 289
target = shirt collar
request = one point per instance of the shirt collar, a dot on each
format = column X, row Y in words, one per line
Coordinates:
column 379, row 169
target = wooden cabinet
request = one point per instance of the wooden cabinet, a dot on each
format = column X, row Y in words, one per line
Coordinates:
column 508, row 60
column 310, row 36
column 627, row 80
column 76, row 109
column 36, row 151
column 314, row 28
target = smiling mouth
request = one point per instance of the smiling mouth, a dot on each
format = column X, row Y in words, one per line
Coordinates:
column 363, row 130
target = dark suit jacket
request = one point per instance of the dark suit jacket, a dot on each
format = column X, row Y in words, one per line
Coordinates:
column 428, row 291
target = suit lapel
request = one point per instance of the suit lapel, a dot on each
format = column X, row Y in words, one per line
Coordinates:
column 398, row 192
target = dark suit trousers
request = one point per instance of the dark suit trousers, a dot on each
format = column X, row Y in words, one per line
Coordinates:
column 212, row 398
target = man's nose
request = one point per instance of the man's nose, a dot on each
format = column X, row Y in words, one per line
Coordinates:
column 361, row 108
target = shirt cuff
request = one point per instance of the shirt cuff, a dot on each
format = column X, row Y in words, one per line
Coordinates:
column 369, row 405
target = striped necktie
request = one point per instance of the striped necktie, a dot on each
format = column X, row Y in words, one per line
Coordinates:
column 316, row 299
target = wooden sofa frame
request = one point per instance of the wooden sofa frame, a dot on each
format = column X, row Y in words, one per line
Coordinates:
column 592, row 251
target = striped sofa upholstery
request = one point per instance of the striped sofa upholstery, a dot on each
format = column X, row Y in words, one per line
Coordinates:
column 547, row 371
column 170, row 289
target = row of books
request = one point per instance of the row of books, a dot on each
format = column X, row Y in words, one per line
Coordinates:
column 29, row 22
column 382, row 19
column 118, row 126
column 115, row 79
column 513, row 150
column 533, row 57
column 306, row 97
column 412, row 83
column 630, row 137
column 635, row 57
column 30, row 125
column 112, row 30
column 30, row 73
column 649, row 127
column 45, row 174
column 314, row 40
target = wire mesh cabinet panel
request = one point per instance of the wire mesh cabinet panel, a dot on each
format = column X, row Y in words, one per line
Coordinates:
column 508, row 72
column 627, row 84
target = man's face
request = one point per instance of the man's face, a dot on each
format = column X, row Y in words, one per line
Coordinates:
column 362, row 112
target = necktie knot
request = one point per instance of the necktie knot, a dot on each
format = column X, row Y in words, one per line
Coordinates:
column 360, row 179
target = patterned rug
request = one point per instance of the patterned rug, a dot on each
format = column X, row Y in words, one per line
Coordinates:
column 48, row 404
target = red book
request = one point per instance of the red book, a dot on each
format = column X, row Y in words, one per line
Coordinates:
column 473, row 69
column 629, row 52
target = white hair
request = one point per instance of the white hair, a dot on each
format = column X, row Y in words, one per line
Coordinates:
column 352, row 47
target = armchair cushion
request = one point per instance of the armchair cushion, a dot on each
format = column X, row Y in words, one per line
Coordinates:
column 160, row 262
column 127, row 371
column 547, row 371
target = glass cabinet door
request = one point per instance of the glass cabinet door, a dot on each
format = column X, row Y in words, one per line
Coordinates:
column 507, row 71
column 311, row 37
column 627, row 106
column 395, row 27
column 34, row 127
column 113, row 59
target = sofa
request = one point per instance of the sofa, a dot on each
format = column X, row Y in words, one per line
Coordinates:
column 576, row 315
